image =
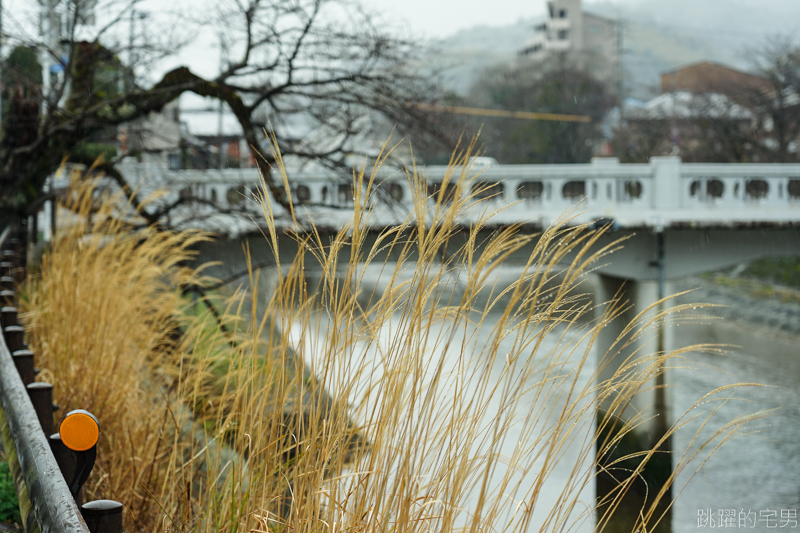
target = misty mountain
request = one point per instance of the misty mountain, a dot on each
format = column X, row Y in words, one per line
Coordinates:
column 657, row 36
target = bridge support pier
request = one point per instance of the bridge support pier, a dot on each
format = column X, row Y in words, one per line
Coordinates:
column 647, row 410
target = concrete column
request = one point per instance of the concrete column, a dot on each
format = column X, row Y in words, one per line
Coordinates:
column 619, row 461
column 651, row 403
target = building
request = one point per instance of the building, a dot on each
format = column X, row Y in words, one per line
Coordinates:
column 156, row 137
column 590, row 40
column 706, row 77
column 705, row 113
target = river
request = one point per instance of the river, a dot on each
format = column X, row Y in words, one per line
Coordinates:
column 754, row 477
column 758, row 470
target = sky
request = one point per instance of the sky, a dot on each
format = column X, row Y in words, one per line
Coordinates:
column 441, row 18
column 435, row 19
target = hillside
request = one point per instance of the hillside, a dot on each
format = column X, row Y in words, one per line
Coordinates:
column 657, row 36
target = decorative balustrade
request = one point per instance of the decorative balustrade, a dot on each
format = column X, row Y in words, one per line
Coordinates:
column 663, row 191
column 603, row 182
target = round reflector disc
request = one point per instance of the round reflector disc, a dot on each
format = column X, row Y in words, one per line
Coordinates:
column 79, row 430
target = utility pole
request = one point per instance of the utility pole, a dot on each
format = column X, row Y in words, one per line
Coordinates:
column 219, row 133
column 131, row 36
column 223, row 57
column 620, row 68
column 51, row 23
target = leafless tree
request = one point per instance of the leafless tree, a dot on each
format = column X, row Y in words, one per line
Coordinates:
column 309, row 72
column 777, row 102
column 705, row 127
column 739, row 118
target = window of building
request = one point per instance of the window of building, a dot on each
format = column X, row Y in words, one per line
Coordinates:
column 562, row 14
column 563, row 35
column 173, row 161
column 550, row 9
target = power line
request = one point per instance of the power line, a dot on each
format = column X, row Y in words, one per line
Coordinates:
column 525, row 115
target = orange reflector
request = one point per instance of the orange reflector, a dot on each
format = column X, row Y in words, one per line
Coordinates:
column 79, row 430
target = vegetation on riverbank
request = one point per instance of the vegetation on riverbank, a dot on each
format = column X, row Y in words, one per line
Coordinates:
column 9, row 504
column 404, row 423
column 757, row 287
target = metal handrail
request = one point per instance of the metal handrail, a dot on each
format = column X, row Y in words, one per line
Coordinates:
column 52, row 503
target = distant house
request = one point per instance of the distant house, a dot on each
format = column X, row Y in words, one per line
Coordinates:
column 569, row 31
column 212, row 138
column 155, row 138
column 208, row 131
column 709, row 77
column 685, row 105
column 705, row 113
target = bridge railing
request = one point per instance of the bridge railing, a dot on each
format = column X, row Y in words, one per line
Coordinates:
column 604, row 181
column 634, row 194
column 743, row 185
column 39, row 462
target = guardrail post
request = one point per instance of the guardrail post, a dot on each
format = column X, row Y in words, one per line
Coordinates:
column 14, row 338
column 8, row 316
column 79, row 432
column 20, row 243
column 103, row 516
column 41, row 395
column 8, row 297
column 64, row 457
column 23, row 360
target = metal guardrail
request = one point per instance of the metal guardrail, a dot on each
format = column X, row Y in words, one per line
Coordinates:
column 39, row 461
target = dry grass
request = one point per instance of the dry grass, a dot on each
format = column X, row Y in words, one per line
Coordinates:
column 468, row 399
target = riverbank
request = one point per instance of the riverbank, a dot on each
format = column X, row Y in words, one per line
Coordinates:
column 749, row 302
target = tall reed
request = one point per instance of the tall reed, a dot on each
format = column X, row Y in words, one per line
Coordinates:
column 389, row 382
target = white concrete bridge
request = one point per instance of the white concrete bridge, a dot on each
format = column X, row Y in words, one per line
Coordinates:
column 680, row 219
column 664, row 192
